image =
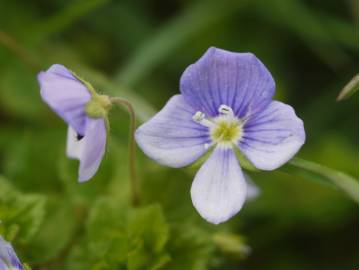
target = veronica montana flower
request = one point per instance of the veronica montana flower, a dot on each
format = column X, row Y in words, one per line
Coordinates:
column 8, row 258
column 225, row 105
column 85, row 111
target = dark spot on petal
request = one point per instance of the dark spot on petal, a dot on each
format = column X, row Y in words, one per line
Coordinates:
column 79, row 137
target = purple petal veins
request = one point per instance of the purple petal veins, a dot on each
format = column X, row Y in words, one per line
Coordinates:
column 89, row 149
column 238, row 80
column 219, row 188
column 225, row 102
column 272, row 136
column 66, row 95
column 171, row 137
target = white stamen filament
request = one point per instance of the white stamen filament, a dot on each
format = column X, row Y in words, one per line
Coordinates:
column 200, row 118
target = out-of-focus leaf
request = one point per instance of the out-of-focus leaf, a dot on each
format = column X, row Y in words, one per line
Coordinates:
column 155, row 233
column 297, row 17
column 319, row 172
column 21, row 214
column 62, row 19
column 349, row 89
column 232, row 244
column 191, row 247
column 134, row 239
column 19, row 91
column 51, row 240
column 198, row 16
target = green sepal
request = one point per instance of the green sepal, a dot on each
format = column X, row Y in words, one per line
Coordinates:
column 86, row 83
column 244, row 162
column 98, row 106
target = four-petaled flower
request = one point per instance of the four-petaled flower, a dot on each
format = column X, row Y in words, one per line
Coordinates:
column 85, row 111
column 8, row 257
column 226, row 105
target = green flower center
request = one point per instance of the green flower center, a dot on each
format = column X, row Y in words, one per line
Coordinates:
column 226, row 130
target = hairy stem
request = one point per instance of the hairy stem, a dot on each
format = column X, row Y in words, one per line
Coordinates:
column 132, row 148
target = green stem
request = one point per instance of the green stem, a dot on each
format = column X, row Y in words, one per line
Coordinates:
column 132, row 148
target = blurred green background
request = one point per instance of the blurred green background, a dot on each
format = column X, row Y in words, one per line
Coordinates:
column 138, row 50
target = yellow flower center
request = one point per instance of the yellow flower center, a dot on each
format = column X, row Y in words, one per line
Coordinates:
column 226, row 130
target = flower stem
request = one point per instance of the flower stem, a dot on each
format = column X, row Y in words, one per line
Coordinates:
column 132, row 148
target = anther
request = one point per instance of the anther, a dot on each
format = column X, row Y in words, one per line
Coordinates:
column 226, row 110
column 200, row 118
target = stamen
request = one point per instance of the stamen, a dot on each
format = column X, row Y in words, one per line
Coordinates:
column 226, row 110
column 200, row 118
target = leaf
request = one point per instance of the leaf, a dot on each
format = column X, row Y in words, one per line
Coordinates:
column 121, row 237
column 318, row 172
column 191, row 247
column 197, row 17
column 59, row 21
column 349, row 89
column 52, row 238
column 149, row 223
column 232, row 244
column 21, row 214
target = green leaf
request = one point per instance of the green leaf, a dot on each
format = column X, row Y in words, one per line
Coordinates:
column 349, row 89
column 318, row 172
column 149, row 224
column 231, row 244
column 61, row 20
column 191, row 247
column 121, row 237
column 52, row 239
column 21, row 214
column 197, row 17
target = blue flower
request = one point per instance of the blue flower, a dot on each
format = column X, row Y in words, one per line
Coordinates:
column 8, row 258
column 225, row 105
column 77, row 103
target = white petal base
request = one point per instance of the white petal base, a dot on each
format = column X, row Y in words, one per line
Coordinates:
column 219, row 188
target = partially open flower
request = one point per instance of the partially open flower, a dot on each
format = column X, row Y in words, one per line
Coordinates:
column 8, row 257
column 85, row 111
column 225, row 105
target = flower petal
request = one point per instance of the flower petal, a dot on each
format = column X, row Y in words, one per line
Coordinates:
column 253, row 190
column 272, row 137
column 93, row 149
column 8, row 256
column 238, row 80
column 75, row 145
column 219, row 188
column 171, row 137
column 65, row 94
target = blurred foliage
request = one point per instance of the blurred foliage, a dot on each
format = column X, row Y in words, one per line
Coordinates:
column 350, row 88
column 138, row 49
